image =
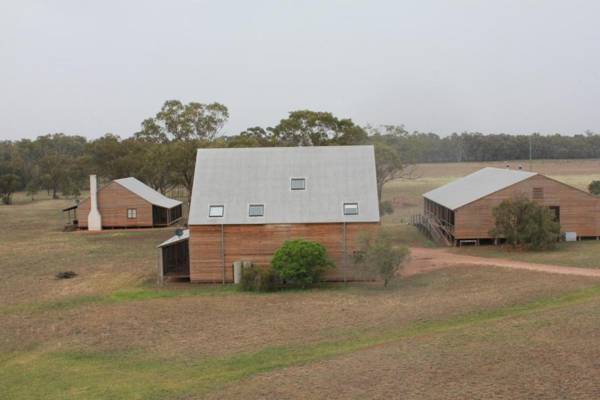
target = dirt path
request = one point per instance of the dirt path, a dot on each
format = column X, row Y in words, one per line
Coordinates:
column 424, row 259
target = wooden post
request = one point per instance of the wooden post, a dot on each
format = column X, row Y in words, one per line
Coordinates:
column 223, row 251
column 345, row 252
column 159, row 264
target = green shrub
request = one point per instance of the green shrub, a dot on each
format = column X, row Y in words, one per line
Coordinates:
column 257, row 279
column 301, row 262
column 525, row 223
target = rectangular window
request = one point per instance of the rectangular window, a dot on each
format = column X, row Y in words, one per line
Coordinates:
column 256, row 210
column 131, row 213
column 298, row 184
column 538, row 193
column 216, row 211
column 350, row 208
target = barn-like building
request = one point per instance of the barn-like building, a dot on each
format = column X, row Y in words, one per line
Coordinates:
column 128, row 203
column 463, row 209
column 247, row 202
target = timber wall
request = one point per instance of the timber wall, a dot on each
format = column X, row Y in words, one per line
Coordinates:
column 113, row 202
column 258, row 243
column 579, row 211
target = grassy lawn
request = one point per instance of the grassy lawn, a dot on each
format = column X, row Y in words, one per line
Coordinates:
column 583, row 254
column 110, row 333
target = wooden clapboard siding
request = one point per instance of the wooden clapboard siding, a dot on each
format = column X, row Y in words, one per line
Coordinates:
column 113, row 202
column 579, row 211
column 258, row 243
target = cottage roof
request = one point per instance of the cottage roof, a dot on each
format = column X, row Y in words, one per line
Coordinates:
column 147, row 193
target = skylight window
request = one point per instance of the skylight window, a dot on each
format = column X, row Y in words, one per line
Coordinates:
column 298, row 184
column 216, row 211
column 350, row 208
column 256, row 210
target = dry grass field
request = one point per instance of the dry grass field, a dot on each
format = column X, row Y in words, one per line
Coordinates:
column 110, row 333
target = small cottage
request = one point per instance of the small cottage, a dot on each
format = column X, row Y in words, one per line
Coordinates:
column 125, row 203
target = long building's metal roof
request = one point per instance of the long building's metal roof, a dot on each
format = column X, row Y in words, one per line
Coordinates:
column 147, row 193
column 236, row 178
column 476, row 186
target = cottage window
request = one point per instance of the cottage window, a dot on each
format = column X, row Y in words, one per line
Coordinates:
column 256, row 210
column 350, row 208
column 538, row 193
column 216, row 211
column 131, row 213
column 298, row 184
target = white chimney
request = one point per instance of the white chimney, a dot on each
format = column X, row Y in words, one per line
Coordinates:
column 94, row 217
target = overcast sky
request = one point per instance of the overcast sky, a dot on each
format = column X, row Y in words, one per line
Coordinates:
column 91, row 67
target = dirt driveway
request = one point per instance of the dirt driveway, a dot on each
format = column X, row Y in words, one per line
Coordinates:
column 424, row 259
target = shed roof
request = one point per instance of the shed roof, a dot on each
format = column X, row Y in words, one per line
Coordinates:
column 236, row 178
column 176, row 239
column 147, row 193
column 476, row 186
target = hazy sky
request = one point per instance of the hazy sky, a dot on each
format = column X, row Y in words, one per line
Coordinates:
column 91, row 67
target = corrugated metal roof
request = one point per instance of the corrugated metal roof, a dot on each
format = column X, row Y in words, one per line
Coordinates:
column 475, row 186
column 147, row 193
column 176, row 239
column 236, row 178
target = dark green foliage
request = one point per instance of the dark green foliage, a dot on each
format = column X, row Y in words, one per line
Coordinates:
column 525, row 223
column 8, row 185
column 313, row 128
column 257, row 279
column 378, row 257
column 301, row 262
column 595, row 188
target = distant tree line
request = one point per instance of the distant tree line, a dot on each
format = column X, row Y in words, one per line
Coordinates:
column 162, row 153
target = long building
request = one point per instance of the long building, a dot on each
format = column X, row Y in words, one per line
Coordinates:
column 464, row 207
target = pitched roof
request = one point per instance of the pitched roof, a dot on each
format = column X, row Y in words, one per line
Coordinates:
column 475, row 186
column 147, row 193
column 236, row 178
column 176, row 239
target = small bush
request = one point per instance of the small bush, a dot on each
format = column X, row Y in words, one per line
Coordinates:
column 385, row 208
column 256, row 279
column 248, row 279
column 66, row 275
column 301, row 262
column 377, row 256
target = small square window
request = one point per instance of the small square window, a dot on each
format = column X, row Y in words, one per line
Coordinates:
column 216, row 211
column 298, row 184
column 350, row 208
column 131, row 213
column 538, row 193
column 256, row 210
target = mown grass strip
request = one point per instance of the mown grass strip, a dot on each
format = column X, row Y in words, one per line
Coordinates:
column 136, row 376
